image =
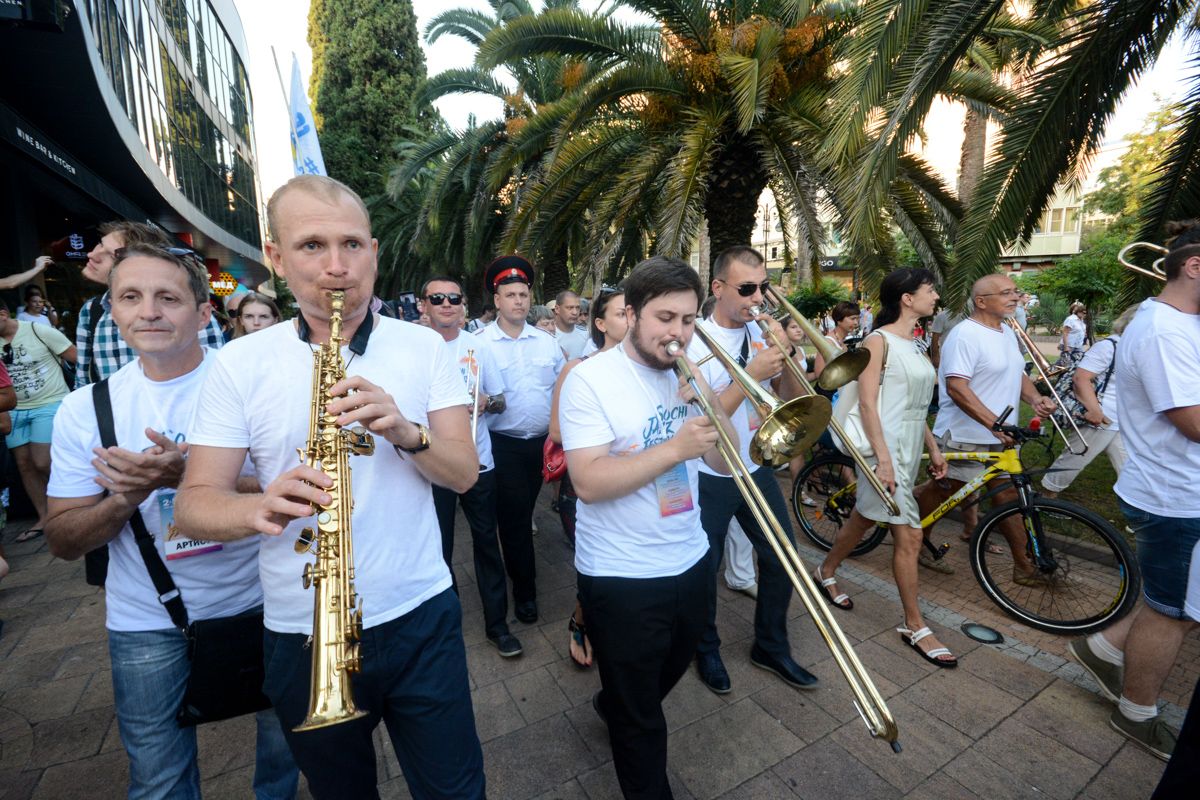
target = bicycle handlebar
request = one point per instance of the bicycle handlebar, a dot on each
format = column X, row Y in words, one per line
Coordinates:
column 1018, row 433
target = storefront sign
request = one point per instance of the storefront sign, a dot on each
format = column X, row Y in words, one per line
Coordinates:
column 223, row 285
column 45, row 152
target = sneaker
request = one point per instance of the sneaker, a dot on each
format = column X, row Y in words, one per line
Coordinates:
column 1152, row 735
column 1110, row 677
column 807, row 501
column 750, row 590
column 508, row 645
column 935, row 564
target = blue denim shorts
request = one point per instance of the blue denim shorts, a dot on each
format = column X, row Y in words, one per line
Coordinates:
column 1164, row 553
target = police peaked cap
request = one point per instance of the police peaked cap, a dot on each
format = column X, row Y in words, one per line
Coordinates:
column 508, row 269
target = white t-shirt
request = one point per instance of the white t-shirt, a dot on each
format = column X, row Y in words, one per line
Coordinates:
column 991, row 360
column 215, row 579
column 1076, row 331
column 34, row 319
column 493, row 385
column 529, row 366
column 944, row 321
column 1158, row 371
column 572, row 342
column 1097, row 360
column 745, row 419
column 655, row 531
column 258, row 394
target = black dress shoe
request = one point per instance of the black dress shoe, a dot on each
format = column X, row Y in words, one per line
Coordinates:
column 527, row 611
column 712, row 672
column 508, row 645
column 792, row 673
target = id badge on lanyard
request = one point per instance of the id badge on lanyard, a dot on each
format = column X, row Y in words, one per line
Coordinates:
column 674, row 491
column 175, row 543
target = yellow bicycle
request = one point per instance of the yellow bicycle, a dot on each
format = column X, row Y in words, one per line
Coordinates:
column 1086, row 578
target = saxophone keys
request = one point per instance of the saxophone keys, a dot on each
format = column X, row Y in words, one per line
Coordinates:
column 304, row 541
column 307, row 578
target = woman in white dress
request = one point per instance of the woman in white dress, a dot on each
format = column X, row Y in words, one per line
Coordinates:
column 894, row 392
column 1074, row 335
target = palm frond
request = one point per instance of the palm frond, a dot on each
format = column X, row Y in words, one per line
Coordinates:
column 415, row 156
column 920, row 227
column 1175, row 193
column 463, row 81
column 690, row 20
column 466, row 23
column 682, row 205
column 566, row 31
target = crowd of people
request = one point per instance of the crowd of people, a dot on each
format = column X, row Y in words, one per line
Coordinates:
column 176, row 456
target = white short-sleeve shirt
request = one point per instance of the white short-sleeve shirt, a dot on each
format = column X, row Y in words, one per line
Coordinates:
column 529, row 365
column 258, row 395
column 1076, row 331
column 473, row 359
column 215, row 579
column 1159, row 370
column 572, row 342
column 991, row 361
column 655, row 531
column 1097, row 360
column 746, row 339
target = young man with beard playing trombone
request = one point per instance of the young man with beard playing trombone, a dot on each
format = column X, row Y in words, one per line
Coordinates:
column 633, row 446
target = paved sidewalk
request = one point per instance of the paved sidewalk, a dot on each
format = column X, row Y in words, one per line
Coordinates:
column 1009, row 723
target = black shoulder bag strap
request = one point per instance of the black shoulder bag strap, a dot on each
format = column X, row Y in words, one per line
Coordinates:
column 168, row 594
column 96, row 310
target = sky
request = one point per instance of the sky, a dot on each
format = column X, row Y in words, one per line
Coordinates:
column 283, row 24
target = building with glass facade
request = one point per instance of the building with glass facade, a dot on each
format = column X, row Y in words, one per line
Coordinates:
column 136, row 109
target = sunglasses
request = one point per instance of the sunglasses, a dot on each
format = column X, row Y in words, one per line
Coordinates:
column 119, row 253
column 438, row 298
column 8, row 354
column 748, row 289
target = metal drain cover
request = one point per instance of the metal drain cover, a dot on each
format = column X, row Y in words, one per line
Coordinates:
column 982, row 633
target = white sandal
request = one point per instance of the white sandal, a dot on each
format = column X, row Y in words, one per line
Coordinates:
column 933, row 656
column 842, row 601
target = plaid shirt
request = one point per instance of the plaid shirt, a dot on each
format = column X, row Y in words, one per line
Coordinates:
column 109, row 350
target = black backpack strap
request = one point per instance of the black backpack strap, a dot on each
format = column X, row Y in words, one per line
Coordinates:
column 95, row 311
column 168, row 593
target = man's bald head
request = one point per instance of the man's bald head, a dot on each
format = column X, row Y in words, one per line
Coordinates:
column 327, row 189
column 989, row 285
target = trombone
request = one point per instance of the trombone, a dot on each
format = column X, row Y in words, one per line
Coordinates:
column 846, row 367
column 870, row 704
column 1047, row 374
column 476, row 368
column 1156, row 270
column 788, row 427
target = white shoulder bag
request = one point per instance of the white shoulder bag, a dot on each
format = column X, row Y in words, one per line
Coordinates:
column 849, row 415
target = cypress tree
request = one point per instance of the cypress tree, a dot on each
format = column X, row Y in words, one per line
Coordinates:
column 367, row 68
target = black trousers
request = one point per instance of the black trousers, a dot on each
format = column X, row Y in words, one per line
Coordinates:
column 1182, row 775
column 644, row 633
column 720, row 502
column 479, row 507
column 518, row 481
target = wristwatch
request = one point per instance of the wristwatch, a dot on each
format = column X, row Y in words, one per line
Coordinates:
column 422, row 441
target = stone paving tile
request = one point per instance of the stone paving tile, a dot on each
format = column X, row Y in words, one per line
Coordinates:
column 486, row 667
column 927, row 744
column 83, row 659
column 100, row 778
column 537, row 695
column 495, row 712
column 834, row 695
column 825, row 771
column 70, row 738
column 589, row 728
column 962, row 700
column 798, row 711
column 17, row 785
column 711, row 761
column 577, row 684
column 535, row 758
column 903, row 669
column 1036, row 760
column 571, row 790
column 1079, row 722
column 1131, row 773
column 1007, row 673
column 44, row 701
column 227, row 745
column 601, row 784
column 940, row 786
column 689, row 701
column 767, row 786
column 99, row 692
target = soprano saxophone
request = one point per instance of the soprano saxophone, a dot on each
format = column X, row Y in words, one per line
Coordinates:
column 337, row 611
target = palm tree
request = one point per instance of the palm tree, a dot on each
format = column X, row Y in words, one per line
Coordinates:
column 473, row 177
column 691, row 118
column 903, row 52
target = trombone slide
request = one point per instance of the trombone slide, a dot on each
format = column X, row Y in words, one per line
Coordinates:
column 1047, row 375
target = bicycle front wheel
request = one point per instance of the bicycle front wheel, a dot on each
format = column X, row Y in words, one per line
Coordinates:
column 1088, row 577
column 823, row 495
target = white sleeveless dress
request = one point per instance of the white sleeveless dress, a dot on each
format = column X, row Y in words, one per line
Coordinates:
column 907, row 381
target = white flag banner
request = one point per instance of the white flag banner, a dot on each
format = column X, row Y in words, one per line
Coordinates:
column 306, row 150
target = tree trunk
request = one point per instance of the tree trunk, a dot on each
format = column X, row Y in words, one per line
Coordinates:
column 731, row 202
column 556, row 275
column 974, row 153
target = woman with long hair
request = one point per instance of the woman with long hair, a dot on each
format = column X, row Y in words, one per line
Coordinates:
column 893, row 396
column 254, row 312
column 607, row 326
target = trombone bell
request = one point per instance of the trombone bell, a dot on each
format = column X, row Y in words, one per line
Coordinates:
column 1156, row 270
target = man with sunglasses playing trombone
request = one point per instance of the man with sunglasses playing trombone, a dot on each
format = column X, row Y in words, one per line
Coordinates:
column 442, row 300
column 739, row 281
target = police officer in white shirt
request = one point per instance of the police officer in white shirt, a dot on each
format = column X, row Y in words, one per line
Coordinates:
column 633, row 446
column 529, row 361
column 443, row 299
column 739, row 280
column 570, row 336
column 1160, row 422
column 982, row 372
column 400, row 386
column 159, row 303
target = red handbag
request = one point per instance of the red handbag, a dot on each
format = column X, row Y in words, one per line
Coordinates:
column 554, row 461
